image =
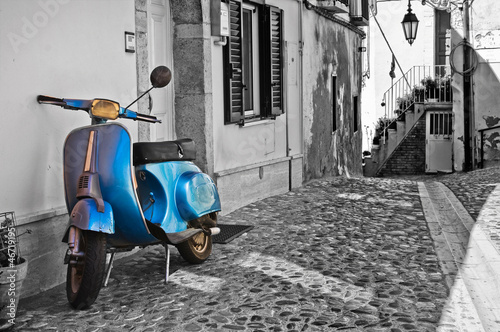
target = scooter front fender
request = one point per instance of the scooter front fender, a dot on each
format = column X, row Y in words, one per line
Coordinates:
column 196, row 195
column 86, row 217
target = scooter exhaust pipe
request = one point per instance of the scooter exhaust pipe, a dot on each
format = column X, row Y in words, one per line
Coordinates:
column 214, row 231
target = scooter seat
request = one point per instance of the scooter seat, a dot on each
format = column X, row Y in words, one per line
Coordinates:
column 157, row 152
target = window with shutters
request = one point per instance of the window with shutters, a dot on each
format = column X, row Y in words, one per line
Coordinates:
column 253, row 62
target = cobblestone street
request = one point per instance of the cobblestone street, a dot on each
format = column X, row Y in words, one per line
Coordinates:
column 337, row 254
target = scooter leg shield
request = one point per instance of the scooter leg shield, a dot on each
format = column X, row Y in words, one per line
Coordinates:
column 86, row 217
column 196, row 195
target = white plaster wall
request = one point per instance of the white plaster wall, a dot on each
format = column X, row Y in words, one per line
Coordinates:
column 485, row 38
column 390, row 14
column 62, row 48
column 260, row 141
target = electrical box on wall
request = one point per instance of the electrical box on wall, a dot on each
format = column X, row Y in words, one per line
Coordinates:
column 129, row 42
column 219, row 17
column 224, row 19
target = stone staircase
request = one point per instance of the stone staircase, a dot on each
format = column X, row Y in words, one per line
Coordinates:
column 402, row 149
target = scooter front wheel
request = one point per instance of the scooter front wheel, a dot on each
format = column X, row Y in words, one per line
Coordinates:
column 85, row 275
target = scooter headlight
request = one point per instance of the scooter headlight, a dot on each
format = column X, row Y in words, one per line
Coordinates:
column 106, row 109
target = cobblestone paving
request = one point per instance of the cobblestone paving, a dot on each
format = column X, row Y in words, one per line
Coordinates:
column 473, row 188
column 335, row 255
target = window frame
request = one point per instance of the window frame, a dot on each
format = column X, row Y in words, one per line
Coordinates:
column 268, row 64
column 254, row 66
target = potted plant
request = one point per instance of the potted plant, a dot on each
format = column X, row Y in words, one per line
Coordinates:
column 430, row 87
column 404, row 103
column 445, row 88
column 13, row 269
column 419, row 93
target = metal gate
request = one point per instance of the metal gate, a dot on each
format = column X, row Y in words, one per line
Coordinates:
column 439, row 141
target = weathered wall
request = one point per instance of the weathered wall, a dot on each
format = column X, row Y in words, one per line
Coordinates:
column 331, row 50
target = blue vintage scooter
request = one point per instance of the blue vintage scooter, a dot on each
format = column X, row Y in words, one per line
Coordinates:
column 121, row 195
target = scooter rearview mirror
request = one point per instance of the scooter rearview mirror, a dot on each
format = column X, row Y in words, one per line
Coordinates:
column 160, row 77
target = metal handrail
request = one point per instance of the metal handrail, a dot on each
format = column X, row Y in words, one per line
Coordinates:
column 419, row 84
column 481, row 132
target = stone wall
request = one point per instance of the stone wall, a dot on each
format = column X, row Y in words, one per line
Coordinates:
column 409, row 157
column 193, row 80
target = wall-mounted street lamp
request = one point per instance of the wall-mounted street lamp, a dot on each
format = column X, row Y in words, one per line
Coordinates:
column 410, row 25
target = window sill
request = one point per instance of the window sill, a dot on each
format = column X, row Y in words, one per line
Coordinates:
column 257, row 122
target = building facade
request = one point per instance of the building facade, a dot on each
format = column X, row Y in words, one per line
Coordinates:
column 270, row 91
column 456, row 49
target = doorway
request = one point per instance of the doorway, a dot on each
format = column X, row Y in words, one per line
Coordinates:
column 160, row 50
column 439, row 141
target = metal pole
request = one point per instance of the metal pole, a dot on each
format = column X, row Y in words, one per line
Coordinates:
column 167, row 262
column 467, row 92
column 110, row 266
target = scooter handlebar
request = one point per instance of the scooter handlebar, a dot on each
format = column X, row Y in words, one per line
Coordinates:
column 148, row 118
column 41, row 99
column 128, row 114
column 86, row 105
column 72, row 104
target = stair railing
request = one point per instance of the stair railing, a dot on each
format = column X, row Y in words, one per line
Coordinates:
column 419, row 84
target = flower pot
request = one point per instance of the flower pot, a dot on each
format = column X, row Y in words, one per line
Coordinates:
column 11, row 280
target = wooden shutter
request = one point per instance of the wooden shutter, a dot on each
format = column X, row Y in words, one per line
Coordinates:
column 233, row 60
column 272, row 69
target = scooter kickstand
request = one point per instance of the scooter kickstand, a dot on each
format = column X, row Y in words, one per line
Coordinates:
column 110, row 266
column 167, row 262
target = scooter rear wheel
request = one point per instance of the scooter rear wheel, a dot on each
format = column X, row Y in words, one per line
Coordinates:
column 85, row 278
column 197, row 249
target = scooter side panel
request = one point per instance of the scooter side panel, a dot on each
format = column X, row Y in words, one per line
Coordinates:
column 196, row 195
column 114, row 165
column 160, row 181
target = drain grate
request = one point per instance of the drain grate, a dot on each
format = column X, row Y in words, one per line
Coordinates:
column 229, row 232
